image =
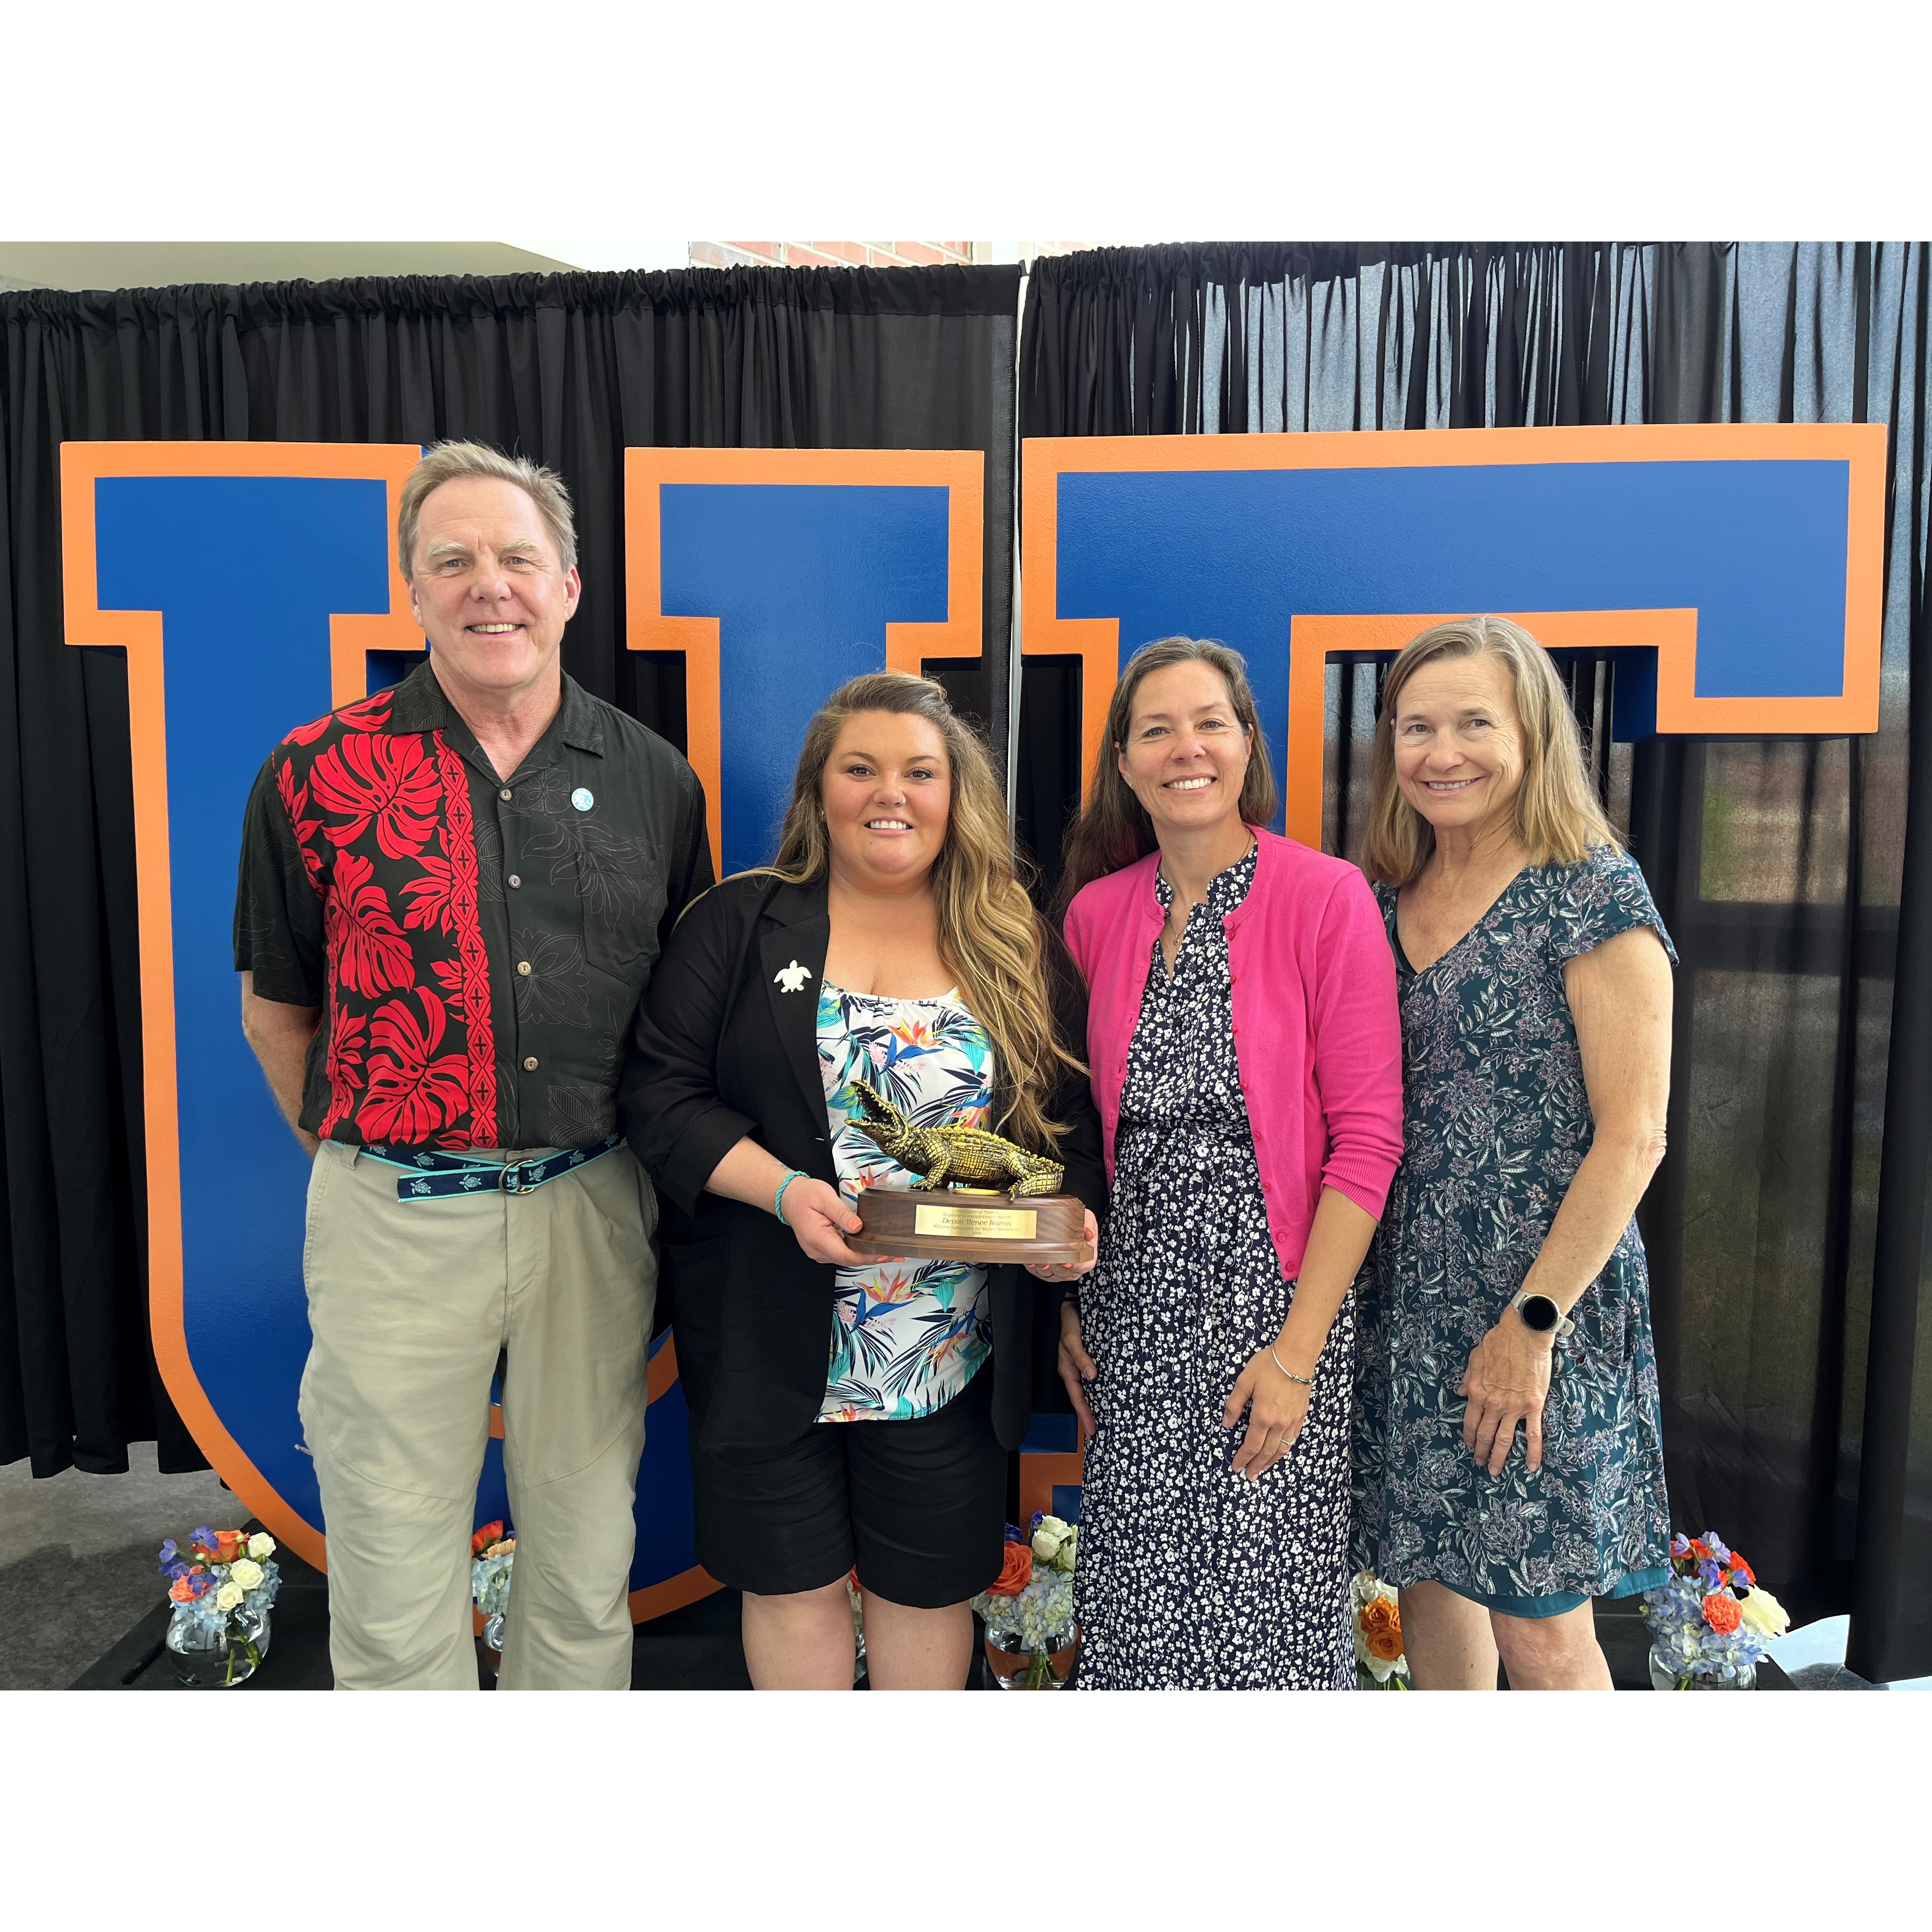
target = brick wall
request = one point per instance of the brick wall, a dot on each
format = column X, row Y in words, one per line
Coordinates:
column 835, row 254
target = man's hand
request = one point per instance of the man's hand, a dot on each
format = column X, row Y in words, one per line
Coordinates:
column 281, row 1035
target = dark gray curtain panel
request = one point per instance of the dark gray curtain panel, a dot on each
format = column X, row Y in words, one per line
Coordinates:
column 569, row 369
column 1787, row 1229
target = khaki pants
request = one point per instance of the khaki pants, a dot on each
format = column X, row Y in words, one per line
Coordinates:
column 410, row 1303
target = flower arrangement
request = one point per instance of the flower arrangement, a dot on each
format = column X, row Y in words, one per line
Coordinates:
column 222, row 1589
column 491, row 1552
column 1711, row 1620
column 1375, row 1617
column 1028, row 1608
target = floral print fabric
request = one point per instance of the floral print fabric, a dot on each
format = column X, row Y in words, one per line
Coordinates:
column 1189, row 1577
column 1496, row 1123
column 907, row 1335
column 476, row 945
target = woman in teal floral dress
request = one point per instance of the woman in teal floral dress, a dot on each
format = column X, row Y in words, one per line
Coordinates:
column 1508, row 1463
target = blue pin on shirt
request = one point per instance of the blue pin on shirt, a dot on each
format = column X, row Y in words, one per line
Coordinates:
column 582, row 798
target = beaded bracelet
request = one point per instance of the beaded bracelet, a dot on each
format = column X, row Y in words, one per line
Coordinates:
column 1306, row 1381
column 778, row 1199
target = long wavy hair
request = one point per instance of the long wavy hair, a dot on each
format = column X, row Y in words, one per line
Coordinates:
column 1114, row 830
column 990, row 936
column 1558, row 817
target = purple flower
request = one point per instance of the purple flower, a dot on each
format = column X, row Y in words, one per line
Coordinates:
column 1716, row 1546
column 1015, row 1535
column 204, row 1536
column 168, row 1552
column 1680, row 1545
column 1708, row 1574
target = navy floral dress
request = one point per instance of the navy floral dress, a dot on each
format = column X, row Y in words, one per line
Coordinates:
column 1189, row 1577
column 1495, row 1124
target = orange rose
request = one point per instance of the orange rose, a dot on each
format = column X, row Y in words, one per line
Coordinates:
column 1015, row 1572
column 1382, row 1630
column 227, row 1544
column 180, row 1593
column 487, row 1535
column 1723, row 1612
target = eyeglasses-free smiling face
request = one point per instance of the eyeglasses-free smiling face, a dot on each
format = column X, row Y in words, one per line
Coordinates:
column 1458, row 742
column 1186, row 753
column 887, row 791
column 487, row 585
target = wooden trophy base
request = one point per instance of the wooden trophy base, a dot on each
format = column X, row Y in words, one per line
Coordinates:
column 958, row 1224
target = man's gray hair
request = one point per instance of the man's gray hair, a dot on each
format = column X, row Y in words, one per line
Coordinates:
column 447, row 461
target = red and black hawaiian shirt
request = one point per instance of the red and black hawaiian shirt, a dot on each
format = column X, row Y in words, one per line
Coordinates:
column 477, row 944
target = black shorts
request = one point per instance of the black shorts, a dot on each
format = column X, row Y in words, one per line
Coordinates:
column 918, row 1506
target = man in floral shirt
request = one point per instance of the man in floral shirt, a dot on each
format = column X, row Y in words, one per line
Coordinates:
column 452, row 896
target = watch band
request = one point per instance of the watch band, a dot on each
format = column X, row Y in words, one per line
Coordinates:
column 1564, row 1325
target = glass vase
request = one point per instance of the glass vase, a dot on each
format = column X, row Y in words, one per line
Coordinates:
column 1663, row 1676
column 220, row 1657
column 1015, row 1667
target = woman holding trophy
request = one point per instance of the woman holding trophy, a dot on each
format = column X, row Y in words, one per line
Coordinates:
column 885, row 977
column 1246, row 1060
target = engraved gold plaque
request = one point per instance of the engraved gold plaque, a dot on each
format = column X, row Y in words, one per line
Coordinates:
column 995, row 1224
column 937, row 1224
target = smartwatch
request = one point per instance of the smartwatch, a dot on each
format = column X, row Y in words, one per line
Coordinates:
column 1540, row 1315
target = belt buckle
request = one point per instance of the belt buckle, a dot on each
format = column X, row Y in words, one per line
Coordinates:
column 513, row 1179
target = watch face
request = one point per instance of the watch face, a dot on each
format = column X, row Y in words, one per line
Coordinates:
column 1538, row 1311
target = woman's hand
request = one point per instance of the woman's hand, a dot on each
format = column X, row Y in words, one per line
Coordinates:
column 1076, row 1365
column 817, row 1216
column 1067, row 1271
column 1505, row 1383
column 1277, row 1408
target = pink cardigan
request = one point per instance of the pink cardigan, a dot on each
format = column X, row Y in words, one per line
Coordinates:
column 1317, row 1037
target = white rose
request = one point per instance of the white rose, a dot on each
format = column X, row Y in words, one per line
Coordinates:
column 1763, row 1613
column 245, row 1572
column 230, row 1596
column 261, row 1547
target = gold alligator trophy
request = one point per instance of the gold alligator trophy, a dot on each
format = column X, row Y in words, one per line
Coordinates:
column 941, row 1221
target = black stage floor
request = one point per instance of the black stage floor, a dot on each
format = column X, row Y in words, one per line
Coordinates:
column 695, row 1649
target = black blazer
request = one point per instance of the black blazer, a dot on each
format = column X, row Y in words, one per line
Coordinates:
column 721, row 1050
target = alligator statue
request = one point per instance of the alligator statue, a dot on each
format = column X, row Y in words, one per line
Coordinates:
column 954, row 1156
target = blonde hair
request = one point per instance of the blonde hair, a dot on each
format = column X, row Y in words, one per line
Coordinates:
column 990, row 936
column 447, row 462
column 1113, row 829
column 1558, row 816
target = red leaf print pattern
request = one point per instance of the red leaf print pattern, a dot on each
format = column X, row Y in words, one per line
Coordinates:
column 295, row 802
column 387, row 779
column 370, row 954
column 344, row 1063
column 448, row 973
column 412, row 1093
column 307, row 734
column 366, row 714
column 459, row 840
column 430, row 896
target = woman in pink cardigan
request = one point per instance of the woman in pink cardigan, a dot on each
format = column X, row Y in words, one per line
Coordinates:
column 1246, row 1060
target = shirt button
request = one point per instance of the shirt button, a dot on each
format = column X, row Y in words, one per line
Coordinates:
column 523, row 968
column 504, row 794
column 530, row 1065
column 514, row 880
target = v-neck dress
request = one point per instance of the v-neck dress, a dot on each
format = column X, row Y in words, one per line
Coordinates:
column 1496, row 1122
column 1190, row 1577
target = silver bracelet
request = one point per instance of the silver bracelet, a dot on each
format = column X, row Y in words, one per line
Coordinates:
column 1306, row 1381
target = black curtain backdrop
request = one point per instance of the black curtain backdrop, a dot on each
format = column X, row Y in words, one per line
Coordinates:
column 1787, row 1228
column 571, row 369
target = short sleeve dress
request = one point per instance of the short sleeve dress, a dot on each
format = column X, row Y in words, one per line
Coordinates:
column 1496, row 1123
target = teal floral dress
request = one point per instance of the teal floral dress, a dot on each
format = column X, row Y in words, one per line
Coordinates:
column 907, row 1335
column 1496, row 1123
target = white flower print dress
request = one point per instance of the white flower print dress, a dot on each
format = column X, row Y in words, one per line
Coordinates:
column 1189, row 1577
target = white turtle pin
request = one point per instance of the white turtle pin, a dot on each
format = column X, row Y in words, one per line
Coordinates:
column 791, row 978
